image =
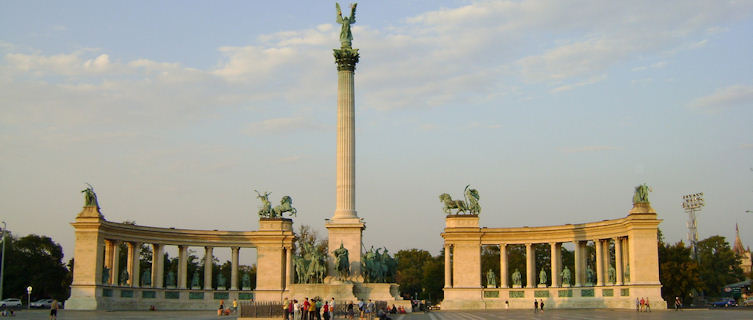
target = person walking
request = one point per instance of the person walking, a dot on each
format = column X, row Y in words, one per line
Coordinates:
column 332, row 309
column 296, row 310
column 286, row 309
column 349, row 310
column 507, row 305
column 325, row 310
column 648, row 305
column 312, row 310
column 541, row 304
column 221, row 309
column 54, row 310
column 535, row 305
column 370, row 308
column 235, row 305
column 643, row 304
column 677, row 303
column 637, row 305
column 305, row 310
column 319, row 306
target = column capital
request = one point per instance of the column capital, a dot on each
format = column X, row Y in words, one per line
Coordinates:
column 346, row 59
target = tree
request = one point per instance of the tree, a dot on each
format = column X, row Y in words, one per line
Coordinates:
column 719, row 265
column 35, row 261
column 678, row 272
column 410, row 270
column 433, row 279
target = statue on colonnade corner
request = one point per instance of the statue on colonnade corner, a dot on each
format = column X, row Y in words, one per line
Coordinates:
column 542, row 277
column 346, row 37
column 90, row 197
column 641, row 194
column 124, row 278
column 590, row 276
column 611, row 274
column 267, row 211
column 470, row 205
column 342, row 264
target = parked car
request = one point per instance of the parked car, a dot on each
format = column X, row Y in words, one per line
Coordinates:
column 42, row 304
column 724, row 303
column 11, row 303
column 748, row 302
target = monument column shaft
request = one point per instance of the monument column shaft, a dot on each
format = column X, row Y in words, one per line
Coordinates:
column 555, row 263
column 157, row 266
column 182, row 266
column 530, row 266
column 134, row 267
column 346, row 146
column 618, row 261
column 208, row 268
column 599, row 262
column 578, row 263
column 288, row 268
column 234, row 268
column 447, row 268
column 115, row 271
column 503, row 265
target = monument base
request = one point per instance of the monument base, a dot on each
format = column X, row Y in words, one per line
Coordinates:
column 517, row 286
column 346, row 292
column 541, row 286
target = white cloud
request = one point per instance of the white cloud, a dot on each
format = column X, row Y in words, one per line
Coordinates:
column 587, row 149
column 572, row 86
column 723, row 98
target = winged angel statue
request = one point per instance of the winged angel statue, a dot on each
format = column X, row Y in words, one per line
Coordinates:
column 346, row 37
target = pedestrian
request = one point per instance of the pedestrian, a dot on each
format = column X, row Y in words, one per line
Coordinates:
column 221, row 309
column 360, row 309
column 370, row 308
column 637, row 305
column 285, row 309
column 332, row 309
column 235, row 305
column 349, row 310
column 312, row 310
column 54, row 310
column 648, row 305
column 296, row 310
column 305, row 310
column 643, row 304
column 677, row 303
column 535, row 305
column 319, row 306
column 507, row 305
column 541, row 304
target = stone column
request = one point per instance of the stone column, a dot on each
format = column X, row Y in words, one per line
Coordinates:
column 182, row 266
column 346, row 59
column 108, row 262
column 158, row 268
column 115, row 270
column 503, row 265
column 234, row 268
column 134, row 266
column 530, row 266
column 618, row 261
column 578, row 263
column 288, row 268
column 555, row 248
column 208, row 268
column 625, row 259
column 607, row 260
column 447, row 267
column 599, row 262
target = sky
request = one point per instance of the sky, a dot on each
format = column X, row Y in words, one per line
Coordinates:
column 176, row 111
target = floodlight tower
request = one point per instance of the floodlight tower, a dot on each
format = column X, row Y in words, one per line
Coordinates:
column 692, row 203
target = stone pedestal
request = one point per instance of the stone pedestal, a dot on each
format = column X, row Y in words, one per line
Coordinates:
column 541, row 286
column 517, row 286
column 349, row 233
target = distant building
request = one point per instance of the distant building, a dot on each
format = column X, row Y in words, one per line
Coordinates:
column 747, row 261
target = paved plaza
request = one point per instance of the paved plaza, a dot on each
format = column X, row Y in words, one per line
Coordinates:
column 582, row 314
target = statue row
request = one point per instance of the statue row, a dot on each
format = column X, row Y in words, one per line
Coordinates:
column 378, row 267
column 491, row 277
column 170, row 281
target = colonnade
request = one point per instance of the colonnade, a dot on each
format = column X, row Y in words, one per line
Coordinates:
column 602, row 260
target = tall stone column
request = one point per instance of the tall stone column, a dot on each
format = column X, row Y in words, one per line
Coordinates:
column 234, row 268
column 447, row 268
column 208, row 268
column 599, row 262
column 345, row 228
column 182, row 266
column 288, row 267
column 503, row 266
column 530, row 266
column 108, row 261
column 618, row 261
column 115, row 270
column 158, row 268
column 134, row 266
column 555, row 248
column 578, row 263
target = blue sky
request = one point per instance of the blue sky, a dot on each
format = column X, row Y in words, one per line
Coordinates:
column 554, row 110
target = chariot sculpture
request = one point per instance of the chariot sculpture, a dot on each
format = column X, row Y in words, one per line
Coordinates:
column 267, row 211
column 469, row 206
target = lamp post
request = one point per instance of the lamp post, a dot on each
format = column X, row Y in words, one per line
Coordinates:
column 2, row 263
column 692, row 203
column 28, row 297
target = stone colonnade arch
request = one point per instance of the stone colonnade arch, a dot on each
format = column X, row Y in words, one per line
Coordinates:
column 98, row 244
column 634, row 273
